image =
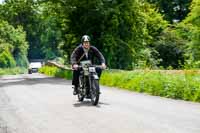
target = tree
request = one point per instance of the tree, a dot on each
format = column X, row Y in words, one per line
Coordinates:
column 24, row 13
column 115, row 27
column 193, row 21
column 173, row 10
column 170, row 47
column 123, row 30
column 51, row 37
column 13, row 46
column 40, row 24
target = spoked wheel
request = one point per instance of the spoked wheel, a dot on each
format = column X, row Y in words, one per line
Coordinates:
column 94, row 92
column 81, row 95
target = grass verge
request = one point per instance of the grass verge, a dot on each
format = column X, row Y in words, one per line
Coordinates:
column 12, row 71
column 183, row 85
column 56, row 72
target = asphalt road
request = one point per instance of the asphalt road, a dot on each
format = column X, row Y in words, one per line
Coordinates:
column 39, row 104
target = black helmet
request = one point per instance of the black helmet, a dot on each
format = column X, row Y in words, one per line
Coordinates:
column 85, row 38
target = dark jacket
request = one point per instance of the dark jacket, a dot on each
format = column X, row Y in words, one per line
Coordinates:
column 92, row 53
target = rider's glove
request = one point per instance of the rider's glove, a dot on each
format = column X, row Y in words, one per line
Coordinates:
column 75, row 66
column 103, row 65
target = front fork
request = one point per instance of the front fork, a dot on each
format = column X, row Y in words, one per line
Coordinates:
column 86, row 83
column 83, row 84
column 92, row 76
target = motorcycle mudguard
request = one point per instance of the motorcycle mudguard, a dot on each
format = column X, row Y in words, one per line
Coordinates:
column 95, row 76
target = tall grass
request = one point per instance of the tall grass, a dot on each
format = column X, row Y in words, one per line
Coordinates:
column 183, row 85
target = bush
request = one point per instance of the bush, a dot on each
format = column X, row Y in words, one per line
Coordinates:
column 7, row 60
column 22, row 61
column 57, row 72
column 12, row 71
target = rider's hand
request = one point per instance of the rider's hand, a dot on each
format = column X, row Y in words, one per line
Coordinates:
column 75, row 66
column 103, row 65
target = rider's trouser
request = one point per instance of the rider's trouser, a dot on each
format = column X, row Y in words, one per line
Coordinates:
column 76, row 73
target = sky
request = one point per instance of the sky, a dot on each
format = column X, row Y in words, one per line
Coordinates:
column 1, row 1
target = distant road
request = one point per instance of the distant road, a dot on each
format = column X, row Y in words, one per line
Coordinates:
column 40, row 104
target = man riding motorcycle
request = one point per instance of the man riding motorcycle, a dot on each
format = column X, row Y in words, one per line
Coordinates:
column 84, row 52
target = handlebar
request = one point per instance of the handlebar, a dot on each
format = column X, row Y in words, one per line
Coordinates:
column 96, row 66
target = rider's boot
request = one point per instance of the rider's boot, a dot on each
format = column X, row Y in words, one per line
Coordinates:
column 75, row 92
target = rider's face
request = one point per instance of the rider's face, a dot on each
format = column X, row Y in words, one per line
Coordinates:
column 86, row 45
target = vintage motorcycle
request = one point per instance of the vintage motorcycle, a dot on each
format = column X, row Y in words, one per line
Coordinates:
column 88, row 82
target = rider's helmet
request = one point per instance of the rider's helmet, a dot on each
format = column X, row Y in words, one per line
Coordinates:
column 85, row 38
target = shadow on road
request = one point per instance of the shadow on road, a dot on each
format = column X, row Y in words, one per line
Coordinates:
column 89, row 104
column 5, row 82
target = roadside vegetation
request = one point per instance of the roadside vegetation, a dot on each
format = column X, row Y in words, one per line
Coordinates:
column 13, row 49
column 13, row 46
column 12, row 71
column 56, row 72
column 184, row 85
column 131, row 34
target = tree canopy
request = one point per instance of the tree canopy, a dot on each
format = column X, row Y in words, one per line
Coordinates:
column 130, row 33
column 173, row 10
column 13, row 46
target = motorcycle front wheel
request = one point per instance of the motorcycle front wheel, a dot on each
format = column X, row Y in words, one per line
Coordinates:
column 94, row 92
column 81, row 95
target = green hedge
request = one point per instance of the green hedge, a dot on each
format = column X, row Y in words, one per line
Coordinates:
column 6, row 59
column 12, row 71
column 182, row 85
column 57, row 72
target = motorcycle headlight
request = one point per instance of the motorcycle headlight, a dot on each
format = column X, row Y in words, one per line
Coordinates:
column 92, row 69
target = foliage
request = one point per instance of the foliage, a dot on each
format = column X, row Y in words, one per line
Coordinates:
column 51, row 35
column 6, row 59
column 155, row 23
column 111, row 26
column 12, row 71
column 57, row 72
column 170, row 47
column 193, row 47
column 40, row 29
column 171, row 84
column 193, row 16
column 149, row 56
column 173, row 9
column 115, row 27
column 13, row 46
column 183, row 85
column 130, row 34
column 24, row 13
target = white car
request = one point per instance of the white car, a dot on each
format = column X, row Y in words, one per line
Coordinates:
column 34, row 66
